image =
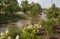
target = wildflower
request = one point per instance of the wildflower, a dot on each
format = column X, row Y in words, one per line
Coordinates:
column 9, row 37
column 29, row 27
column 2, row 34
column 37, row 30
column 36, row 25
column 7, row 31
column 34, row 30
column 40, row 26
column 23, row 30
column 17, row 37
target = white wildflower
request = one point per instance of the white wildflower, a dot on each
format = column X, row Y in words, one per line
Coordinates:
column 23, row 30
column 9, row 37
column 7, row 31
column 34, row 30
column 17, row 37
column 2, row 34
column 28, row 26
column 40, row 26
column 36, row 25
column 37, row 30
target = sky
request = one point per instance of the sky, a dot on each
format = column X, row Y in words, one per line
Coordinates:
column 44, row 3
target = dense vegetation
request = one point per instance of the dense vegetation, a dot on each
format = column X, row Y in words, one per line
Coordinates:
column 8, row 11
column 33, row 11
column 27, row 32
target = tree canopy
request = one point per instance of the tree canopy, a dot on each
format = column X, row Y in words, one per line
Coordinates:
column 53, row 12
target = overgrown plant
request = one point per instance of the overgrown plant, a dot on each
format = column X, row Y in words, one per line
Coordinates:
column 49, row 27
column 28, row 32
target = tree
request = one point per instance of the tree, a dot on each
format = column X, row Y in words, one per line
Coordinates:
column 24, row 6
column 9, row 6
column 52, row 12
column 52, row 20
column 35, row 11
column 31, row 10
column 49, row 27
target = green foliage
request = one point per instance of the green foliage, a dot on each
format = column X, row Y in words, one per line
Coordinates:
column 58, row 20
column 35, row 9
column 24, row 33
column 31, row 10
column 52, row 12
column 6, row 18
column 9, row 6
column 4, row 37
column 30, row 32
column 13, row 31
column 24, row 6
column 49, row 27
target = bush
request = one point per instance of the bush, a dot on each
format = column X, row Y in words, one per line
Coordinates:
column 49, row 27
column 30, row 32
column 13, row 31
column 27, row 32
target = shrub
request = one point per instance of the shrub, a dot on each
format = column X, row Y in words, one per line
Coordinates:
column 13, row 31
column 28, row 32
column 49, row 27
